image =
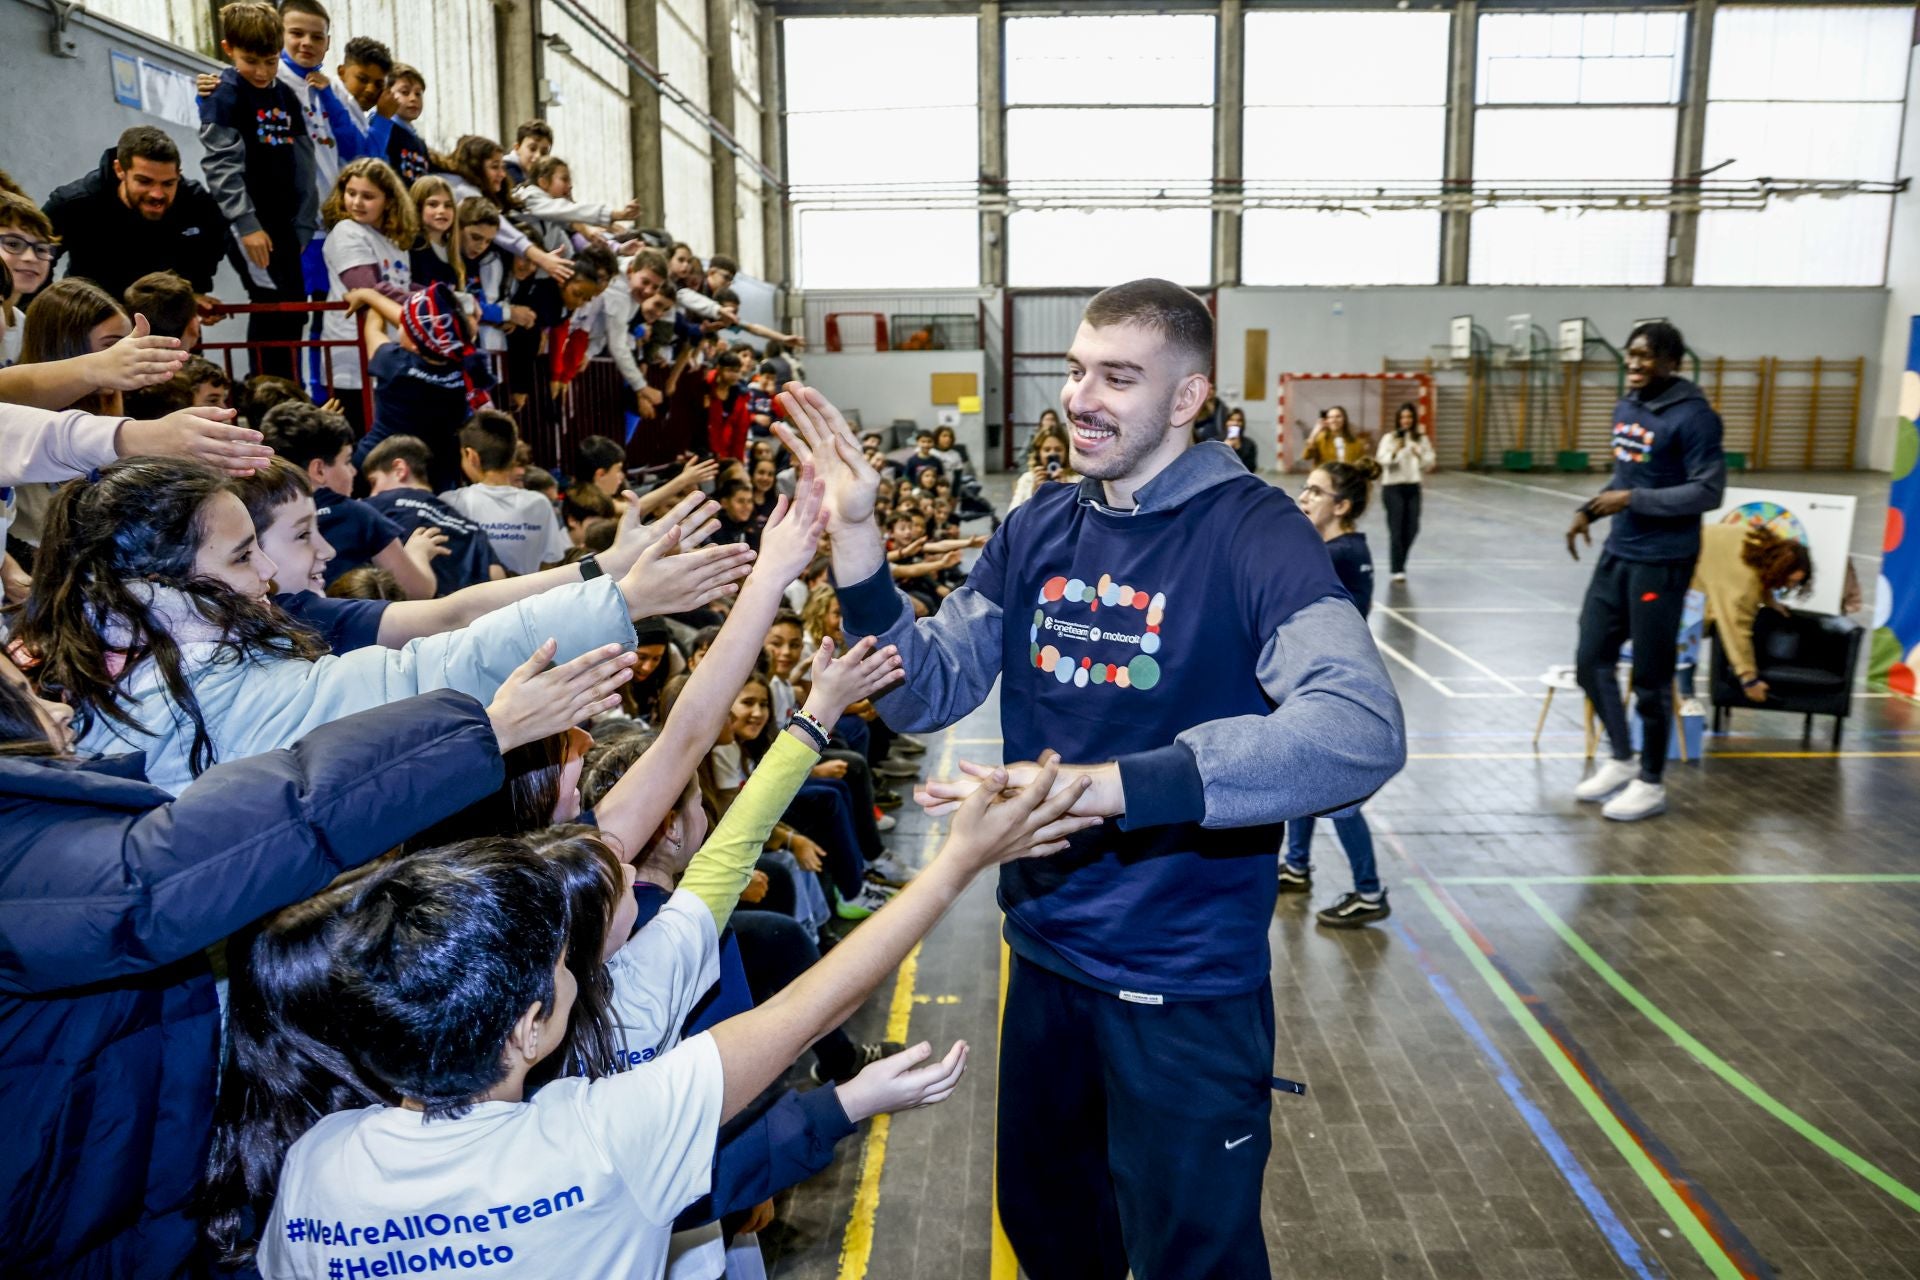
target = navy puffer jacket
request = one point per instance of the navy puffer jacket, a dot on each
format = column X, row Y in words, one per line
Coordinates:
column 110, row 891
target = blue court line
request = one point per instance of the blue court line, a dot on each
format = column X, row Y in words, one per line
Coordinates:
column 1615, row 1232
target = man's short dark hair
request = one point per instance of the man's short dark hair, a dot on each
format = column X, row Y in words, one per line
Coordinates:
column 726, row 360
column 438, row 958
column 721, row 262
column 166, row 300
column 1663, row 340
column 144, row 142
column 493, row 436
column 923, row 434
column 411, row 450
column 595, row 454
column 532, row 129
column 730, row 488
column 300, row 432
column 1181, row 319
column 365, row 51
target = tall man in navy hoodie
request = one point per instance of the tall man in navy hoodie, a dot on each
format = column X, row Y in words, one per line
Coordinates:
column 1172, row 627
column 1668, row 470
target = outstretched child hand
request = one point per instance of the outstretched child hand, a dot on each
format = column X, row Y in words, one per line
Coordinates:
column 535, row 703
column 904, row 1081
column 841, row 680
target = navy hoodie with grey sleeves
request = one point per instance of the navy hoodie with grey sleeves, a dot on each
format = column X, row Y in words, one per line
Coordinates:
column 1667, row 454
column 1204, row 643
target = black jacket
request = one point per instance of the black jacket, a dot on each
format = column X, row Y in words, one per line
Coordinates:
column 113, row 246
column 110, row 891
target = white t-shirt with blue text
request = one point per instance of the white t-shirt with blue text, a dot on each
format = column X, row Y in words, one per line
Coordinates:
column 582, row 1179
column 520, row 523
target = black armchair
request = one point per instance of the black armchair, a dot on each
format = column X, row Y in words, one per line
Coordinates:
column 1807, row 661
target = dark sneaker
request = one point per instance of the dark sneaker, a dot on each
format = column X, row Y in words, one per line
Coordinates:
column 1294, row 880
column 907, row 746
column 885, row 800
column 1353, row 911
column 891, row 768
column 864, row 1056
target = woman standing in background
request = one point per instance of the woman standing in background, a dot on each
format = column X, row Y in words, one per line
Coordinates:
column 1405, row 455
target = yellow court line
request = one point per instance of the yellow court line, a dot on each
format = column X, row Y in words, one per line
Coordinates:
column 856, row 1248
column 856, row 1251
column 1002, row 1264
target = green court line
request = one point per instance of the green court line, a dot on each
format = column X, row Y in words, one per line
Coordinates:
column 1786, row 878
column 1582, row 1089
column 1715, row 1063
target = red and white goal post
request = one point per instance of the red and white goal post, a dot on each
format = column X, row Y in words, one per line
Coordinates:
column 1370, row 399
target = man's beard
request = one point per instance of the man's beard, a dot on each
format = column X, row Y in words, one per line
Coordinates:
column 1131, row 442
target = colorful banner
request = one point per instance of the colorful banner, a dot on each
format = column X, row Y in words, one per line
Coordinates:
column 1896, row 597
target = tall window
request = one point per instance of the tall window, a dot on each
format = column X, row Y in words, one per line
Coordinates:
column 1805, row 91
column 1573, row 99
column 877, row 109
column 1106, row 111
column 1376, row 116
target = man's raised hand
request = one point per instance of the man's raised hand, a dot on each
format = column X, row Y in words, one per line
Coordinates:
column 816, row 431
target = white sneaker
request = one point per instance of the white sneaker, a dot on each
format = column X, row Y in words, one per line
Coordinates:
column 1399, row 577
column 1639, row 800
column 884, row 822
column 1607, row 779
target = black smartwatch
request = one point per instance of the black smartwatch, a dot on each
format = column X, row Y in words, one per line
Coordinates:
column 590, row 568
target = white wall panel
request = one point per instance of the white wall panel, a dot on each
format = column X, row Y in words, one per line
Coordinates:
column 687, row 172
column 187, row 23
column 591, row 121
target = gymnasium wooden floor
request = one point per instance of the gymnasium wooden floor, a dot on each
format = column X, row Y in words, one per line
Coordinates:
column 1687, row 1047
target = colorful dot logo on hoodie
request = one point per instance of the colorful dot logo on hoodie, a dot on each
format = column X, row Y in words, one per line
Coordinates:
column 1118, row 612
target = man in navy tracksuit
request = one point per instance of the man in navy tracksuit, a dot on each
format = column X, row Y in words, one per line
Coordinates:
column 1668, row 470
column 1172, row 627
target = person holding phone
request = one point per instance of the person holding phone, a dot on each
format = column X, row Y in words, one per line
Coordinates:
column 1237, row 439
column 1047, row 460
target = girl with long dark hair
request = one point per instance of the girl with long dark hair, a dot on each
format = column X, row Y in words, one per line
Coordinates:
column 153, row 622
column 1334, row 498
column 1405, row 455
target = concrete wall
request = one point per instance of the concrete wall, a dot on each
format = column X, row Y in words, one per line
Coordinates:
column 896, row 384
column 1352, row 330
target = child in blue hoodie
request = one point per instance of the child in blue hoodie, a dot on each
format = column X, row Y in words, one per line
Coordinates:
column 1668, row 471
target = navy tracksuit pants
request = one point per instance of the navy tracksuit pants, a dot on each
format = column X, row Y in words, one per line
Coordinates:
column 1133, row 1136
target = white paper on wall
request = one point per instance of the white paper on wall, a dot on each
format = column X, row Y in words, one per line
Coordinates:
column 169, row 94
